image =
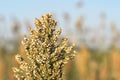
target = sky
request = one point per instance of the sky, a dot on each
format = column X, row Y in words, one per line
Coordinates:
column 30, row 9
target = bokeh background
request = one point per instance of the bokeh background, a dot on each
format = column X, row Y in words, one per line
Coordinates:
column 93, row 25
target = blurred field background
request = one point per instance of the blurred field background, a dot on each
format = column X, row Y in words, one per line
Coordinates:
column 96, row 34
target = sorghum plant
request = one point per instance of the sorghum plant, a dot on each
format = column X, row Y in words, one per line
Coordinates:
column 45, row 53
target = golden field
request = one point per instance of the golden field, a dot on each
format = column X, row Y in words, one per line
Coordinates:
column 87, row 65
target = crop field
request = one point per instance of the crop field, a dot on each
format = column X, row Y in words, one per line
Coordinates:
column 42, row 41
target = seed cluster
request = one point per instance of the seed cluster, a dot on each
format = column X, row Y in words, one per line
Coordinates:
column 46, row 54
